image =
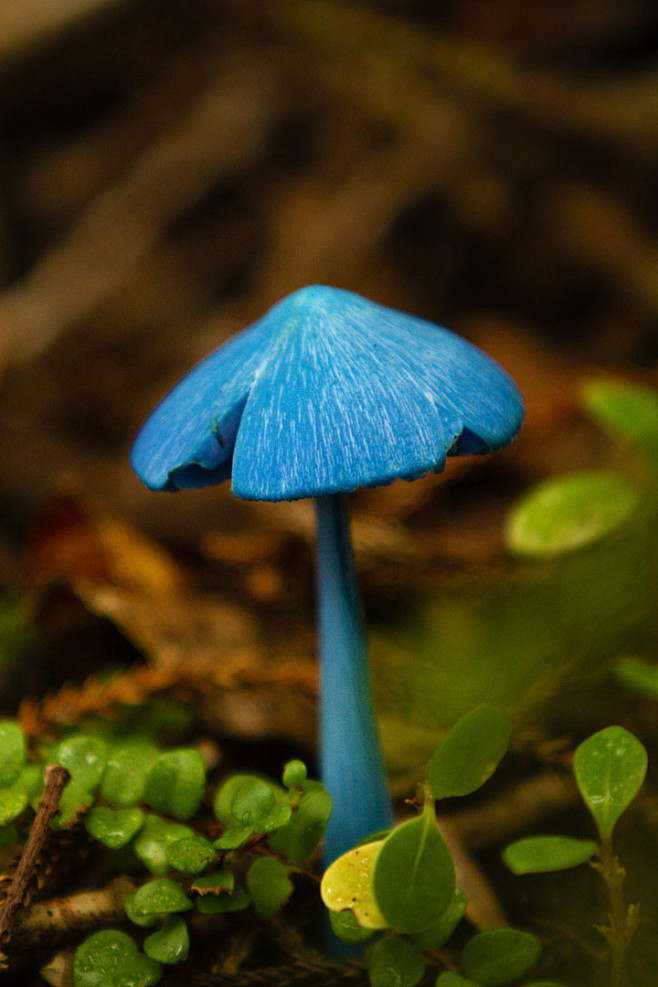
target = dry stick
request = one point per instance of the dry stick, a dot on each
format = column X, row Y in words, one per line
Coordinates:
column 55, row 778
column 64, row 918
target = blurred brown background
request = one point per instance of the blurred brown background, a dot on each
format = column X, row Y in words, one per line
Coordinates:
column 170, row 169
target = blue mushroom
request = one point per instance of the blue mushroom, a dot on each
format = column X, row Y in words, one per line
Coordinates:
column 325, row 393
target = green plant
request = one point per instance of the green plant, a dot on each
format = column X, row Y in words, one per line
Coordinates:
column 609, row 768
column 404, row 883
column 139, row 800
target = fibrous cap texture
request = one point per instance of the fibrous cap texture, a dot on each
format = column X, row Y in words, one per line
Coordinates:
column 327, row 392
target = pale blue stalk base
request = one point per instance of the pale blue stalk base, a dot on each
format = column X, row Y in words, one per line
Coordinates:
column 351, row 763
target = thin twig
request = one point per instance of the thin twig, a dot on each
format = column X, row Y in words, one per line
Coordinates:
column 61, row 919
column 55, row 779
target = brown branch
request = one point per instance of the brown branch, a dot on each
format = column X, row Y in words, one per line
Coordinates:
column 55, row 779
column 138, row 685
column 60, row 919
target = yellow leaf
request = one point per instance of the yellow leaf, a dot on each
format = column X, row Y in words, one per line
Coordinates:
column 347, row 883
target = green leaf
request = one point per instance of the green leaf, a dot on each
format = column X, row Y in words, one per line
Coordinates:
column 113, row 828
column 450, row 979
column 347, row 928
column 124, row 781
column 155, row 836
column 610, row 767
column 639, row 676
column 470, row 752
column 414, row 876
column 76, row 797
column 112, row 959
column 269, row 886
column 301, row 835
column 85, row 758
column 31, row 782
column 171, row 943
column 175, row 782
column 252, row 801
column 218, row 893
column 541, row 854
column 394, row 962
column 233, row 837
column 499, row 956
column 570, row 512
column 191, row 855
column 627, row 411
column 160, row 897
column 12, row 752
column 13, row 801
column 348, row 883
column 438, row 933
column 294, row 774
column 217, row 881
column 218, row 904
column 144, row 921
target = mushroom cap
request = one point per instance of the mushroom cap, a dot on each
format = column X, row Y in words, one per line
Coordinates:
column 325, row 393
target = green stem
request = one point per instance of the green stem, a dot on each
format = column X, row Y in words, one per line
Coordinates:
column 621, row 929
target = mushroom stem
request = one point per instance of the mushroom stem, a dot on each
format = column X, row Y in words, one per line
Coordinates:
column 351, row 763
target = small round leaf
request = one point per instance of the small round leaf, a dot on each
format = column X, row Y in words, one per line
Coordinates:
column 113, row 828
column 247, row 800
column 76, row 798
column 212, row 901
column 12, row 752
column 155, row 836
column 347, row 928
column 348, row 883
column 414, row 876
column 470, row 752
column 610, row 767
column 144, row 921
column 450, row 979
column 124, row 781
column 160, row 897
column 191, row 855
column 171, row 943
column 84, row 757
column 302, row 833
column 269, row 886
column 499, row 956
column 233, row 837
column 111, row 959
column 567, row 513
column 294, row 774
column 175, row 782
column 13, row 801
column 541, row 854
column 394, row 962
